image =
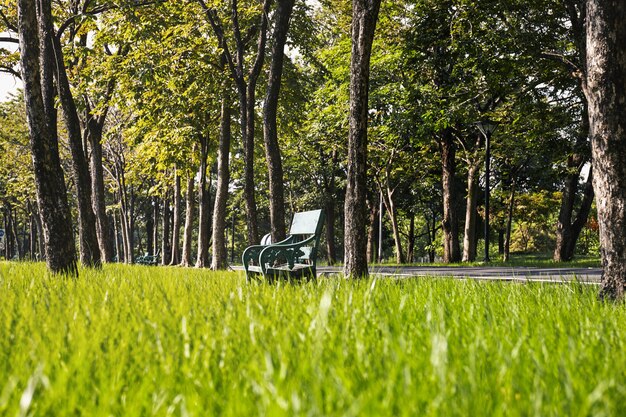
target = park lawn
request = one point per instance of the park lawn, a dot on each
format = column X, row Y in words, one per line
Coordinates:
column 132, row 340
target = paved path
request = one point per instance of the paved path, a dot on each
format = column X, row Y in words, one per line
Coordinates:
column 497, row 273
column 492, row 273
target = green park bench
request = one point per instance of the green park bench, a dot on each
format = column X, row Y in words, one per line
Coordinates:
column 147, row 259
column 296, row 256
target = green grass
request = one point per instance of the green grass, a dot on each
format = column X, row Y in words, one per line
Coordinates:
column 131, row 341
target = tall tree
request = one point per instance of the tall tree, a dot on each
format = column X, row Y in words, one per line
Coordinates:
column 606, row 95
column 204, row 194
column 189, row 209
column 94, row 127
column 51, row 192
column 221, row 194
column 270, row 130
column 245, row 81
column 568, row 33
column 364, row 18
column 175, row 255
column 472, row 159
column 89, row 246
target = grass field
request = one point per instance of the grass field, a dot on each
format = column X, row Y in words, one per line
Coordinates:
column 142, row 341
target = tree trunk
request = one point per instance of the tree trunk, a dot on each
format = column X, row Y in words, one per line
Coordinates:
column 469, row 239
column 149, row 230
column 13, row 231
column 410, row 256
column 330, row 202
column 391, row 211
column 220, row 254
column 202, row 260
column 155, row 219
column 450, row 221
column 568, row 231
column 606, row 95
column 124, row 230
column 564, row 225
column 126, row 201
column 116, row 234
column 165, row 243
column 94, row 126
column 32, row 235
column 40, row 238
column 175, row 255
column 270, row 130
column 330, row 230
column 49, row 179
column 89, row 246
column 364, row 18
column 432, row 235
column 509, row 223
column 581, row 217
column 372, row 233
column 246, row 90
column 9, row 236
column 189, row 209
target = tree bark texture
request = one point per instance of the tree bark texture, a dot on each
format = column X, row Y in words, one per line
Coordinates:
column 606, row 95
column 155, row 219
column 94, row 125
column 469, row 239
column 364, row 18
column 49, row 179
column 270, row 129
column 372, row 232
column 410, row 252
column 38, row 232
column 89, row 246
column 565, row 236
column 450, row 221
column 330, row 231
column 124, row 232
column 329, row 183
column 509, row 223
column 165, row 242
column 581, row 217
column 202, row 260
column 220, row 254
column 188, row 231
column 393, row 217
column 245, row 81
column 149, row 230
column 175, row 255
column 568, row 226
column 116, row 235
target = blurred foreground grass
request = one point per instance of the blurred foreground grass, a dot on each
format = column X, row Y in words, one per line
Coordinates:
column 131, row 341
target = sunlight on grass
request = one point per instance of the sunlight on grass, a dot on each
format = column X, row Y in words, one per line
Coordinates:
column 172, row 341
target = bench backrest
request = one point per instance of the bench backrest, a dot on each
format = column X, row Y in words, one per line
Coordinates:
column 307, row 223
column 304, row 225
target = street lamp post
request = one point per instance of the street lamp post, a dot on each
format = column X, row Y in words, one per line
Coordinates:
column 487, row 127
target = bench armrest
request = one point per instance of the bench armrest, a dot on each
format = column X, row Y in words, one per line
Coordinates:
column 251, row 253
column 289, row 250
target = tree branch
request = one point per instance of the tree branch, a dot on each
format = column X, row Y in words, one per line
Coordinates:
column 7, row 23
column 260, row 57
column 9, row 70
column 218, row 29
column 558, row 57
column 97, row 10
